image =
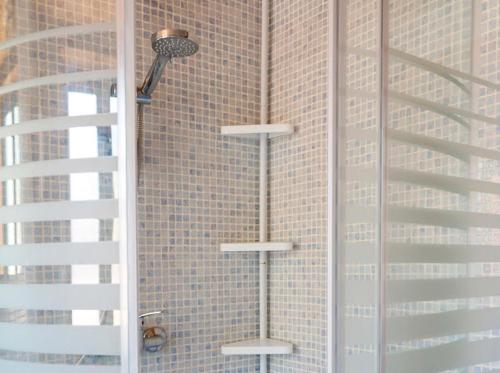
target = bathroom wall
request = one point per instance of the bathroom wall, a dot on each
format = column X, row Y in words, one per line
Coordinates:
column 198, row 189
column 298, row 182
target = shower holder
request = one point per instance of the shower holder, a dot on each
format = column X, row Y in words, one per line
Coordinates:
column 154, row 338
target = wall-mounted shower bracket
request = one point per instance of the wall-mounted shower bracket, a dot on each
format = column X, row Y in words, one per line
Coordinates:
column 141, row 98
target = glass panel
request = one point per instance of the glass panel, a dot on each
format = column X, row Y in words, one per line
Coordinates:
column 443, row 152
column 359, row 132
column 58, row 213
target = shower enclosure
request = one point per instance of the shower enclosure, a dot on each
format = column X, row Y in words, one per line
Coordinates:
column 367, row 235
column 418, row 186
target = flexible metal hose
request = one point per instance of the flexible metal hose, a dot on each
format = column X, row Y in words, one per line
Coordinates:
column 140, row 135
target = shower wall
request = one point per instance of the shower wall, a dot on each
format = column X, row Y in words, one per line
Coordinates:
column 198, row 189
column 298, row 182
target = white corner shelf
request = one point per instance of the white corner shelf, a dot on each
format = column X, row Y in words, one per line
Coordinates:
column 254, row 130
column 257, row 347
column 257, row 246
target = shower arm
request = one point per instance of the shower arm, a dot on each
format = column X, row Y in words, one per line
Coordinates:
column 153, row 77
column 150, row 82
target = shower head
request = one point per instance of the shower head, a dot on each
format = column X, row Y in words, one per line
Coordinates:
column 168, row 44
column 173, row 43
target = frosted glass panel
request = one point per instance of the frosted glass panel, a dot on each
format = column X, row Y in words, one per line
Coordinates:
column 359, row 157
column 437, row 308
column 59, row 290
column 443, row 190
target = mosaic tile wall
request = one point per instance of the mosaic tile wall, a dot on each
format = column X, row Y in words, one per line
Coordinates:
column 298, row 183
column 198, row 189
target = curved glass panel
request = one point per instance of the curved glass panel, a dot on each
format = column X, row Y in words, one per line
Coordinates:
column 59, row 289
column 443, row 187
column 427, row 223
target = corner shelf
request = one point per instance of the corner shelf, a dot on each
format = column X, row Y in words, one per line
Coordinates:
column 257, row 347
column 254, row 130
column 257, row 246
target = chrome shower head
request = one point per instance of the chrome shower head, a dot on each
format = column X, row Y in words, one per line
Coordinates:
column 168, row 44
column 173, row 43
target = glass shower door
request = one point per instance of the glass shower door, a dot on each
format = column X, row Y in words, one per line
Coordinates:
column 59, row 255
column 442, row 243
column 419, row 186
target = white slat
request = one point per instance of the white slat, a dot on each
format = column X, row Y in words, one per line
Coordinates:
column 364, row 253
column 400, row 291
column 28, row 367
column 428, row 290
column 55, row 211
column 441, row 324
column 441, row 69
column 444, row 357
column 452, row 184
column 356, row 214
column 360, row 252
column 361, row 363
column 60, row 297
column 60, row 253
column 441, row 253
column 445, row 110
column 426, row 65
column 443, row 218
column 362, row 331
column 457, row 150
column 59, row 167
column 425, row 216
column 360, row 291
column 57, row 32
column 60, row 339
column 58, row 123
column 58, row 79
column 451, row 112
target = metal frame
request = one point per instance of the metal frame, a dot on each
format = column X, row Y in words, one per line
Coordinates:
column 332, row 213
column 336, row 21
column 383, row 52
column 263, row 155
column 127, row 172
